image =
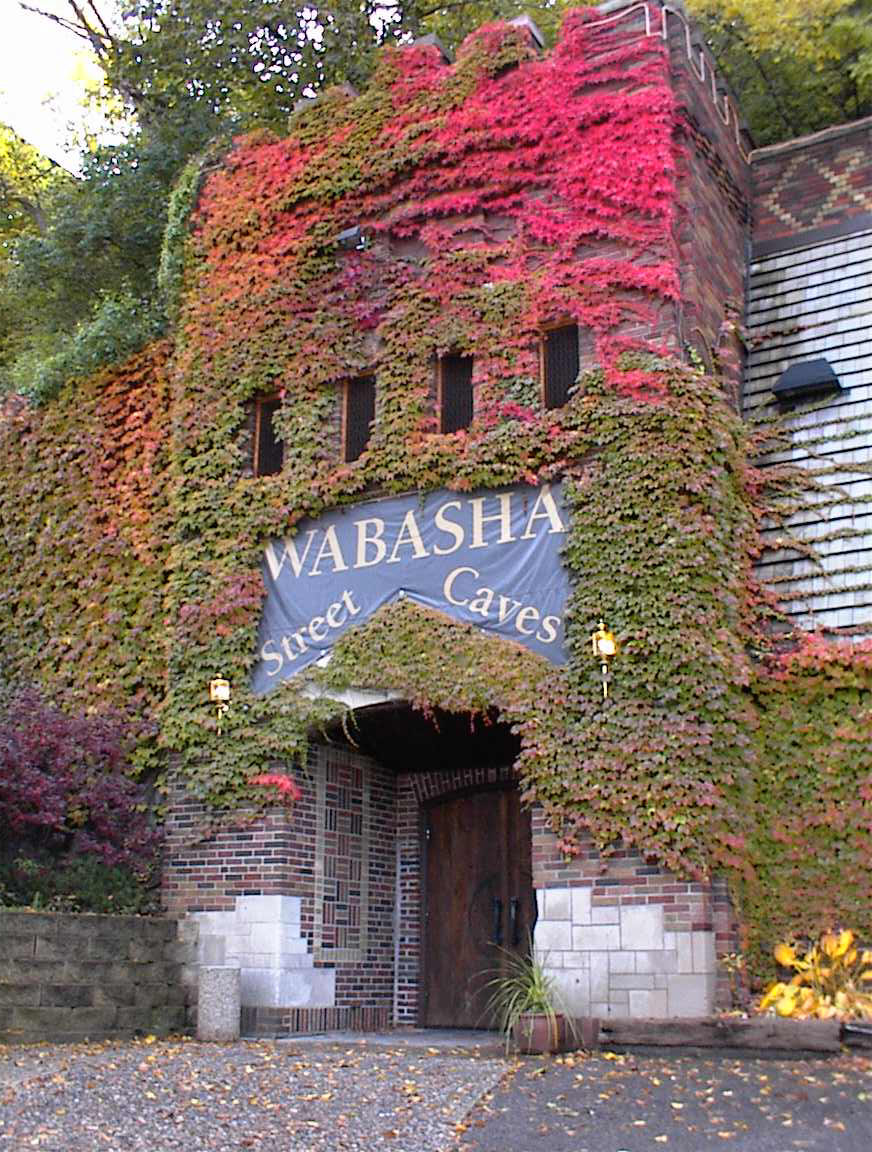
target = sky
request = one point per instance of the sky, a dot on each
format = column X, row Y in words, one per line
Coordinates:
column 43, row 74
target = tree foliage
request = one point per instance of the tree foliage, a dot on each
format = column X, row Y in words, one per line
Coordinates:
column 795, row 66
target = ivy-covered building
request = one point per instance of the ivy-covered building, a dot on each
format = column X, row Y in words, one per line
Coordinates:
column 454, row 383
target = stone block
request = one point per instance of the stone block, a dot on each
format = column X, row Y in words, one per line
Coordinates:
column 657, row 961
column 46, row 1022
column 15, row 994
column 169, row 1018
column 277, row 938
column 93, row 1021
column 269, row 909
column 703, row 947
column 218, row 1004
column 115, row 993
column 580, row 899
column 15, row 946
column 642, row 927
column 67, row 995
column 557, row 904
column 187, row 930
column 551, row 935
column 576, row 959
column 158, row 930
column 606, row 914
column 540, row 903
column 134, row 1019
column 622, row 961
column 596, row 938
column 179, row 952
column 599, row 975
column 50, row 948
column 571, row 990
column 14, row 923
column 684, row 944
column 691, row 995
column 282, row 988
column 139, row 951
column 150, row 995
column 653, row 1004
column 669, row 940
column 212, row 950
column 631, row 980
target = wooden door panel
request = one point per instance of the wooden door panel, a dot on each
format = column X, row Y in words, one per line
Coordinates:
column 477, row 875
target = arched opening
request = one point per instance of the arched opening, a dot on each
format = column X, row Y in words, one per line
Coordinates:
column 464, row 899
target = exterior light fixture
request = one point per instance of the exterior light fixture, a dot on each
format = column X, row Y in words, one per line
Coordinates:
column 219, row 694
column 353, row 239
column 604, row 646
column 805, row 379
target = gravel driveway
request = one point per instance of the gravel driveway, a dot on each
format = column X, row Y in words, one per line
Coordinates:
column 189, row 1097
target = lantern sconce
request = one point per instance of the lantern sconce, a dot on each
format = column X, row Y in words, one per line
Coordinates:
column 219, row 694
column 604, row 647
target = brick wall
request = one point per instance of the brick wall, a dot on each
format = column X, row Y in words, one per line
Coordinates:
column 713, row 216
column 335, row 852
column 814, row 187
column 621, row 936
column 68, row 977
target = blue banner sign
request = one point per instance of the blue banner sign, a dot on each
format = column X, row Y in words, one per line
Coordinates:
column 489, row 558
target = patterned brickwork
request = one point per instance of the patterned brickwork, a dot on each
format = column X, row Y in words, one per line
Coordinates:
column 279, row 853
column 815, row 183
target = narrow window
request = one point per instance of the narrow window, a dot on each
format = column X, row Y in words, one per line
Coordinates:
column 455, row 393
column 359, row 415
column 269, row 451
column 559, row 364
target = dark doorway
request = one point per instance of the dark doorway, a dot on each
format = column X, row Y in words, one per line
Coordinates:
column 479, row 901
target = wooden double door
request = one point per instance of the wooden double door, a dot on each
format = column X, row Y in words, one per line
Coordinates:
column 479, row 902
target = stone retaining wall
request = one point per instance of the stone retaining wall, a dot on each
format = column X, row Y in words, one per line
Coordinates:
column 69, row 977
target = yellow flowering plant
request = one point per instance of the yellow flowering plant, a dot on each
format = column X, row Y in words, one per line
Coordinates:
column 832, row 979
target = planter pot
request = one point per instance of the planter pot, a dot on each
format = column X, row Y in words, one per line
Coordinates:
column 534, row 1033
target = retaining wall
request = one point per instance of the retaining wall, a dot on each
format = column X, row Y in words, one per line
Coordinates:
column 70, row 977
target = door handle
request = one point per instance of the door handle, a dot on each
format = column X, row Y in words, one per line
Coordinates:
column 513, row 921
column 498, row 923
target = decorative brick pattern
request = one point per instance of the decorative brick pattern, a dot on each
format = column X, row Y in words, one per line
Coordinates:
column 812, row 183
column 208, row 869
column 342, row 814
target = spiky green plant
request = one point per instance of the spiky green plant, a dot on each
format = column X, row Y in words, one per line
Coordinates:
column 523, row 986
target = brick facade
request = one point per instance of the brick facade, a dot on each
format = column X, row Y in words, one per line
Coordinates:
column 621, row 935
column 809, row 189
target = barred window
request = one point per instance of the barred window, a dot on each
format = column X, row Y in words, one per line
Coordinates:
column 455, row 393
column 269, row 451
column 359, row 416
column 560, row 364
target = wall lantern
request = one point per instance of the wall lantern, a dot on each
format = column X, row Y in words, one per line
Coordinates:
column 604, row 646
column 219, row 694
column 352, row 239
column 806, row 379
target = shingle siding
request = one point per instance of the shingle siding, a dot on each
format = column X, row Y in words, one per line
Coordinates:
column 813, row 302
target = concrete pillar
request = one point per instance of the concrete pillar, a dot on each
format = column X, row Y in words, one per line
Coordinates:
column 218, row 1003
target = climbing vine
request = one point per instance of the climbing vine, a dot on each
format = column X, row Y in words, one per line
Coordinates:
column 494, row 197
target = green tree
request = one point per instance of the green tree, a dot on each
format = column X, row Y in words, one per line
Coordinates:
column 796, row 66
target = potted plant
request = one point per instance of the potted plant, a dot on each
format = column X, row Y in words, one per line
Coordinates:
column 526, row 1006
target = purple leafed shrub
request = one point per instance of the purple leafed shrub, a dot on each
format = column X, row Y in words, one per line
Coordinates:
column 64, row 794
